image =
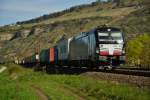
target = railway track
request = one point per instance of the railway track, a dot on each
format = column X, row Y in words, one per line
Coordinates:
column 129, row 71
column 135, row 68
column 133, row 80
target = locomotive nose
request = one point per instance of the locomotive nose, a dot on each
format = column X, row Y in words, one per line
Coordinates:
column 106, row 53
column 110, row 49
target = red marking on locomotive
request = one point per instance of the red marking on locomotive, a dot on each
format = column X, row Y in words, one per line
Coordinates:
column 104, row 53
column 117, row 53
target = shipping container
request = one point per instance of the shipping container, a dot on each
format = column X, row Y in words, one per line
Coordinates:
column 44, row 56
column 55, row 54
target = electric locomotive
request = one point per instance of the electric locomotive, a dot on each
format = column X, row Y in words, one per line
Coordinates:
column 100, row 47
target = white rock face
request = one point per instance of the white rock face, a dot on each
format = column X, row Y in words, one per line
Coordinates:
column 25, row 33
column 4, row 37
column 22, row 33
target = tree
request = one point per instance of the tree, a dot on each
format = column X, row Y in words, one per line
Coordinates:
column 138, row 51
column 134, row 49
column 145, row 55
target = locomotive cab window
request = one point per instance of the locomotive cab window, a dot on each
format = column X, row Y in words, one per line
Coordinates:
column 113, row 35
column 103, row 35
column 116, row 35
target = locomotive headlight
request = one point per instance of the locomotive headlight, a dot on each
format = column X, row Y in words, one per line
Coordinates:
column 120, row 41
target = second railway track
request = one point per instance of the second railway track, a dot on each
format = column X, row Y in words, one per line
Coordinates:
column 129, row 71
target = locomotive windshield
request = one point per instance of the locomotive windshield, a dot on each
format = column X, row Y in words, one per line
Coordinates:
column 111, row 37
column 116, row 35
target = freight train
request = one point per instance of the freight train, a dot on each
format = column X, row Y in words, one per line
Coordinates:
column 100, row 47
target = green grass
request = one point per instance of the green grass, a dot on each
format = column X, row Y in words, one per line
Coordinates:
column 62, row 87
column 90, row 89
column 11, row 89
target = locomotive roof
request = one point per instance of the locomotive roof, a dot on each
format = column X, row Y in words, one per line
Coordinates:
column 105, row 29
column 99, row 28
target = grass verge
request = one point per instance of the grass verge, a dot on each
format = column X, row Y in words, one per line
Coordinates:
column 62, row 87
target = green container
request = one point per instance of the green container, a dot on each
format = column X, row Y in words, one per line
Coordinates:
column 44, row 56
column 33, row 58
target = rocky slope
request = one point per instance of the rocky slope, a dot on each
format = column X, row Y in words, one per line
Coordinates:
column 24, row 38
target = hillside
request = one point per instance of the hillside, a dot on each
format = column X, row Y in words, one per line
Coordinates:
column 24, row 38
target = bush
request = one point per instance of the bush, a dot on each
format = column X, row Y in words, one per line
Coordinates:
column 138, row 51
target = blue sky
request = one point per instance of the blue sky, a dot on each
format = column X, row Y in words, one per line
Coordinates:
column 12, row 11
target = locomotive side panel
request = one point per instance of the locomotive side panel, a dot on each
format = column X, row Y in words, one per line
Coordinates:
column 83, row 50
column 79, row 48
